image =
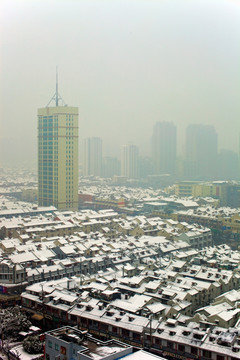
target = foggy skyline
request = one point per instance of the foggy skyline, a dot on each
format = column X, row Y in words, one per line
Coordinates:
column 126, row 64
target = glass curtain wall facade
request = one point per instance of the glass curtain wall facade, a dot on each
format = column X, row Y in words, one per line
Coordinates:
column 58, row 157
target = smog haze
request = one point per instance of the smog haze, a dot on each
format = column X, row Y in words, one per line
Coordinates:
column 126, row 64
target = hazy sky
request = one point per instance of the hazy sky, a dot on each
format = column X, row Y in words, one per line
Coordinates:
column 125, row 63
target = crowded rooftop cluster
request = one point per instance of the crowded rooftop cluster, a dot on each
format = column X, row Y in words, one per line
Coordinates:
column 155, row 277
column 180, row 306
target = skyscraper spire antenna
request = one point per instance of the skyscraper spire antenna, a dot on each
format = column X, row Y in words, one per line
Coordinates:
column 56, row 86
column 57, row 97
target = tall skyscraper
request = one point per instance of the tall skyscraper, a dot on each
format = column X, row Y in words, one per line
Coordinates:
column 92, row 164
column 130, row 161
column 164, row 148
column 58, row 155
column 201, row 152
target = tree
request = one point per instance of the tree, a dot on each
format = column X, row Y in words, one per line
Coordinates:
column 33, row 345
column 12, row 321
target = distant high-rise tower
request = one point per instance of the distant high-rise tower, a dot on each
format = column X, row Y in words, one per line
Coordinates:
column 201, row 152
column 58, row 155
column 164, row 148
column 92, row 157
column 130, row 161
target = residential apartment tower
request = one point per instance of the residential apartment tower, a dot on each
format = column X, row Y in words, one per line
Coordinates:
column 130, row 161
column 92, row 157
column 201, row 152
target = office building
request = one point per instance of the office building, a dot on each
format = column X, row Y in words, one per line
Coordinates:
column 92, row 164
column 164, row 148
column 201, row 152
column 130, row 161
column 58, row 155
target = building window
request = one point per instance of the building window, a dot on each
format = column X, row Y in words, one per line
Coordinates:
column 136, row 337
column 125, row 332
column 194, row 350
column 114, row 329
column 63, row 350
column 220, row 357
column 207, row 354
column 50, row 344
column 181, row 348
column 56, row 347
